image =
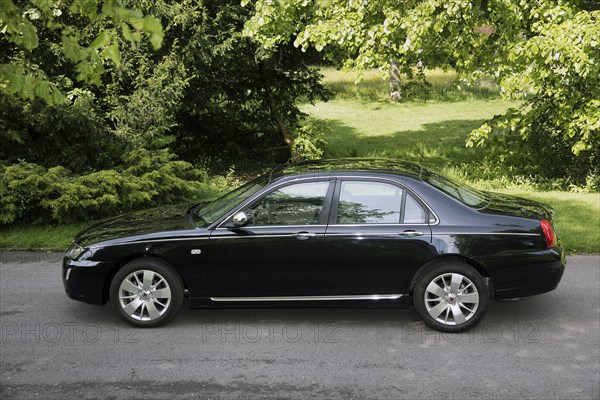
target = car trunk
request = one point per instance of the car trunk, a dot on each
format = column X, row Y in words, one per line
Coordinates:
column 504, row 204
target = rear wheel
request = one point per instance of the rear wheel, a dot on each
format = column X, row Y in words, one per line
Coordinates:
column 146, row 292
column 451, row 297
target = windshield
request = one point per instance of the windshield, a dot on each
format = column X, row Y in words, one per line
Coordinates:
column 461, row 192
column 209, row 213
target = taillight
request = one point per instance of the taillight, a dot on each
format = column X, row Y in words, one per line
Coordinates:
column 548, row 233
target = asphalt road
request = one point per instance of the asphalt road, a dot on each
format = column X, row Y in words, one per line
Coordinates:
column 545, row 347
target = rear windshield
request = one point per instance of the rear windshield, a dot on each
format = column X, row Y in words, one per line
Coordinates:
column 460, row 191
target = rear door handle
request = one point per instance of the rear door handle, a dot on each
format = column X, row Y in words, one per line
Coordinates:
column 303, row 235
column 411, row 233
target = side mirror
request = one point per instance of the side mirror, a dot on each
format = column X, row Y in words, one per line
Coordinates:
column 240, row 219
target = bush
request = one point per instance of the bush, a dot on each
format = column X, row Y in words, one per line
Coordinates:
column 31, row 193
column 73, row 135
column 309, row 140
column 542, row 155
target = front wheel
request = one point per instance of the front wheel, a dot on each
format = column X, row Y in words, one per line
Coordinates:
column 146, row 292
column 451, row 297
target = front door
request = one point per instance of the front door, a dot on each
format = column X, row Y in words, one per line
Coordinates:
column 274, row 255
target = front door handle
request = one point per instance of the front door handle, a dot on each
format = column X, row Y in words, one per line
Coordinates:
column 411, row 233
column 303, row 235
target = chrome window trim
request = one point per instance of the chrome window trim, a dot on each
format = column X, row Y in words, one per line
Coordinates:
column 312, row 298
column 250, row 228
column 324, row 226
column 330, row 179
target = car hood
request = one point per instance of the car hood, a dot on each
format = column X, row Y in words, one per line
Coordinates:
column 505, row 204
column 139, row 223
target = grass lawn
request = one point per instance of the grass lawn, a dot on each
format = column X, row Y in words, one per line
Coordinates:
column 373, row 87
column 431, row 130
column 434, row 133
column 33, row 237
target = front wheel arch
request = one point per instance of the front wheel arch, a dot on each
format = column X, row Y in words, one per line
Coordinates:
column 161, row 295
column 124, row 261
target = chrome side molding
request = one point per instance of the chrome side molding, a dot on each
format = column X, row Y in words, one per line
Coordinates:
column 313, row 298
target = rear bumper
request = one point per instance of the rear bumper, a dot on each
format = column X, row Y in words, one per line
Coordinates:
column 533, row 286
column 528, row 275
column 86, row 280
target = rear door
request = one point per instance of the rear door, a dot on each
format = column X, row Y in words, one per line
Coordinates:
column 378, row 233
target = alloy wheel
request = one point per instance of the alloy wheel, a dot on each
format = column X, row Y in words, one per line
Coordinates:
column 451, row 299
column 144, row 295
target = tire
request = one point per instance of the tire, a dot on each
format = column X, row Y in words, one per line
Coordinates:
column 146, row 292
column 451, row 297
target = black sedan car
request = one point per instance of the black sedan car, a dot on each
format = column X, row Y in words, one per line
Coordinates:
column 340, row 233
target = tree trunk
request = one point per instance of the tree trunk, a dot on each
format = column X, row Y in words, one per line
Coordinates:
column 395, row 93
column 273, row 107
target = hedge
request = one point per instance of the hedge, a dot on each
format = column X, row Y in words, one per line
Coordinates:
column 32, row 193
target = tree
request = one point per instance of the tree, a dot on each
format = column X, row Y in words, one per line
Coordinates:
column 53, row 66
column 557, row 75
column 241, row 100
column 383, row 33
column 539, row 51
column 208, row 93
column 63, row 34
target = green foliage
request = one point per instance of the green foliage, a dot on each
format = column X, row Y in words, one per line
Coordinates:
column 31, row 193
column 83, row 33
column 433, row 33
column 226, row 112
column 544, row 51
column 207, row 93
column 72, row 134
column 309, row 139
column 144, row 98
column 556, row 132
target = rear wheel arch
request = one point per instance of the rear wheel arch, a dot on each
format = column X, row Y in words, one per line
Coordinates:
column 446, row 259
column 451, row 296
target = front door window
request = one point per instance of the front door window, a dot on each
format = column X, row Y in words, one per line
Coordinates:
column 298, row 204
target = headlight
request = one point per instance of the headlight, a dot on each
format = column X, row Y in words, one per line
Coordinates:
column 75, row 251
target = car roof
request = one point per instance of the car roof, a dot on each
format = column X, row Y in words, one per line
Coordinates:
column 345, row 165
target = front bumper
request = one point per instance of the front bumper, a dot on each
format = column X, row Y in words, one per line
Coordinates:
column 86, row 281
